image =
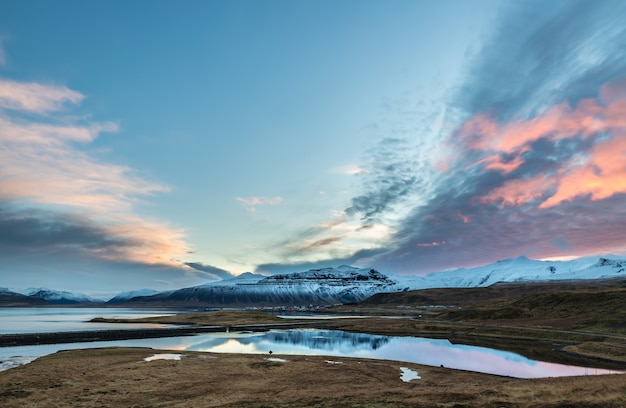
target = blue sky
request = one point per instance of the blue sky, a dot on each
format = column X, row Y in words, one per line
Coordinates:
column 163, row 144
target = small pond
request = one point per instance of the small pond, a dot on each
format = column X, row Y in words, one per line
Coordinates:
column 336, row 343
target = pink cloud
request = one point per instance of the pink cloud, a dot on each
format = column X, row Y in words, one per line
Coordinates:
column 517, row 192
column 151, row 242
column 602, row 176
column 599, row 174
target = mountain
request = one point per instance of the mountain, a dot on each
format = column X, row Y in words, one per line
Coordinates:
column 327, row 286
column 520, row 269
column 59, row 297
column 14, row 299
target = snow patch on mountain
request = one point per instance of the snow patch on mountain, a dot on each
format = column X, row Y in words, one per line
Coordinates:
column 245, row 278
column 124, row 296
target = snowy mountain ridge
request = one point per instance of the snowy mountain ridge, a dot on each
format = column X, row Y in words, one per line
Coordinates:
column 520, row 269
column 59, row 296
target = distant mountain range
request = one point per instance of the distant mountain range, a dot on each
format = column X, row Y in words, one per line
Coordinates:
column 327, row 286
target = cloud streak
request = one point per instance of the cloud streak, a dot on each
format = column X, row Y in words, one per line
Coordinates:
column 251, row 204
column 212, row 271
column 36, row 98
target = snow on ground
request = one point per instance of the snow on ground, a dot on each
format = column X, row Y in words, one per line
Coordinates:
column 408, row 374
column 164, row 356
column 277, row 360
column 11, row 362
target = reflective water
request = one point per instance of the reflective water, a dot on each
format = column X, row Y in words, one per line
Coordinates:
column 59, row 319
column 342, row 344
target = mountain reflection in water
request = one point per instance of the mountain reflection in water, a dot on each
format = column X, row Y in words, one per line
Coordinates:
column 328, row 340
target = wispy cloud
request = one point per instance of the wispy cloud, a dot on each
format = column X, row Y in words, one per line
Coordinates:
column 252, row 203
column 349, row 169
column 35, row 97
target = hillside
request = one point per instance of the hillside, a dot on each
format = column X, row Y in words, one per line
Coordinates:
column 317, row 287
column 590, row 305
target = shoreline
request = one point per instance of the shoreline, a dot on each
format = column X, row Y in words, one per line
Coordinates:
column 87, row 336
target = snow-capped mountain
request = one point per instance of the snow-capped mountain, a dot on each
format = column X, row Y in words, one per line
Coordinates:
column 520, row 269
column 326, row 286
column 11, row 298
column 343, row 284
column 60, row 297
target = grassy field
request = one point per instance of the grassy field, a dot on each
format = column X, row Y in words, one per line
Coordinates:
column 119, row 377
column 214, row 318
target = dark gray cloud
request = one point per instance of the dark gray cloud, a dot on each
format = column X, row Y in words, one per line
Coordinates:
column 28, row 230
column 69, row 252
column 214, row 272
column 389, row 177
column 280, row 268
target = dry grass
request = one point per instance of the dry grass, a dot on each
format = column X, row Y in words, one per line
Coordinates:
column 213, row 318
column 118, row 377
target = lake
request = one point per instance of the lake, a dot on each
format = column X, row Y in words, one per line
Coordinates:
column 60, row 319
column 433, row 352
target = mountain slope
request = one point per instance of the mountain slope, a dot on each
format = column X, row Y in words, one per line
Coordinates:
column 315, row 287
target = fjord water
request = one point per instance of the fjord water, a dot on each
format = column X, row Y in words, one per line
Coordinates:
column 62, row 319
column 335, row 343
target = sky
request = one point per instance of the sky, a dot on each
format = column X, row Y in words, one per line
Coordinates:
column 161, row 144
